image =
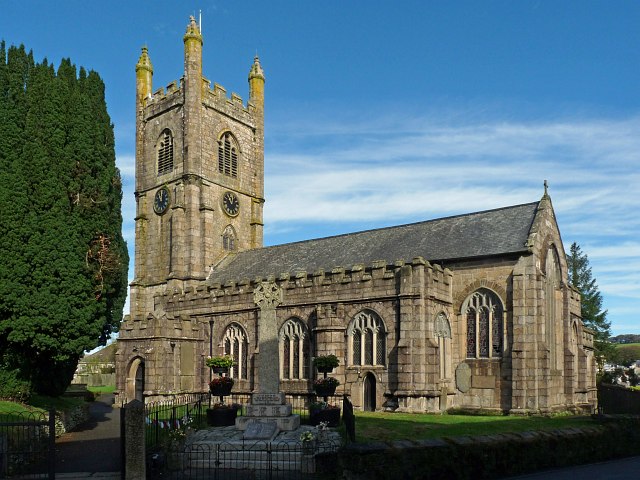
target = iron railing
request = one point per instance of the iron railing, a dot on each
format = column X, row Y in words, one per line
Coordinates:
column 27, row 444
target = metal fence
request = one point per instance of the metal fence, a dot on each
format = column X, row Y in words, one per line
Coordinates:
column 172, row 455
column 240, row 460
column 27, row 444
column 616, row 399
column 165, row 418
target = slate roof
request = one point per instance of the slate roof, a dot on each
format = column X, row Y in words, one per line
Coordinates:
column 493, row 232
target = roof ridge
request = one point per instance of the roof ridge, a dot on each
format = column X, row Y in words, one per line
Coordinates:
column 379, row 229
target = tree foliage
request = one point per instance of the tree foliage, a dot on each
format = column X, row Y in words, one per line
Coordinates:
column 63, row 261
column 626, row 355
column 593, row 316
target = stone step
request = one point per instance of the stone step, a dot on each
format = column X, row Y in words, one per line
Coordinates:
column 286, row 424
column 254, row 460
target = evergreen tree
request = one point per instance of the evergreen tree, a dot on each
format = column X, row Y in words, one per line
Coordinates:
column 593, row 316
column 63, row 261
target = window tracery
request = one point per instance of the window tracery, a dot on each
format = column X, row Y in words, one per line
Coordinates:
column 236, row 344
column 484, row 313
column 367, row 339
column 229, row 239
column 294, row 350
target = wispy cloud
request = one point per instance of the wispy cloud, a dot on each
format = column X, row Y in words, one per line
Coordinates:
column 396, row 169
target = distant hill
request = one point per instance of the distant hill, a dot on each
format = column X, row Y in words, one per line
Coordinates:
column 627, row 338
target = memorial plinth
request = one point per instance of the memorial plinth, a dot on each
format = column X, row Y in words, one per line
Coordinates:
column 269, row 408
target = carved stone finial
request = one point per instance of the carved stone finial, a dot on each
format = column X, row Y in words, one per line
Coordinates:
column 546, row 188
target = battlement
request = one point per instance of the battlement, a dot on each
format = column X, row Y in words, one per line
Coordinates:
column 151, row 326
column 166, row 97
column 378, row 276
column 233, row 105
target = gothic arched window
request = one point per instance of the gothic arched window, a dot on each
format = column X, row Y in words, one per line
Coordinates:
column 366, row 340
column 553, row 311
column 165, row 153
column 228, row 155
column 294, row 350
column 229, row 239
column 236, row 344
column 484, row 313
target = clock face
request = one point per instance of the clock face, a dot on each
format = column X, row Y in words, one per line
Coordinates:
column 161, row 201
column 230, row 204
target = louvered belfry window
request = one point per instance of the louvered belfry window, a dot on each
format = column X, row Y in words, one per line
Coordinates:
column 165, row 153
column 228, row 155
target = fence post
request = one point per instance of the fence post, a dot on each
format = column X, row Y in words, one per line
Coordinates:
column 135, row 467
column 51, row 454
column 123, row 442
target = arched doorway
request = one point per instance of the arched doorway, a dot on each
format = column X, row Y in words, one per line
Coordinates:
column 135, row 380
column 369, row 386
column 140, row 382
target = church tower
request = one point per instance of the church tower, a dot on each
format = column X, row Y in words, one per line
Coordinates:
column 199, row 175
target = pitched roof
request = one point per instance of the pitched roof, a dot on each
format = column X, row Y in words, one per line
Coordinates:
column 481, row 234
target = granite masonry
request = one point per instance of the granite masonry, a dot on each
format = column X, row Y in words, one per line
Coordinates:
column 468, row 312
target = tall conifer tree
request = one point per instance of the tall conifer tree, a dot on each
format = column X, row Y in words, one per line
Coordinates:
column 593, row 316
column 63, row 261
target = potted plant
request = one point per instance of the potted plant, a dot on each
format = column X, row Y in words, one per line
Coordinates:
column 221, row 386
column 325, row 386
column 326, row 363
column 221, row 415
column 220, row 364
column 323, row 412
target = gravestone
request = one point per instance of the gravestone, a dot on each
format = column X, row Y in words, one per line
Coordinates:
column 463, row 377
column 268, row 405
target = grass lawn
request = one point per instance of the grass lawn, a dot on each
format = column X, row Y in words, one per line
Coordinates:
column 381, row 426
column 102, row 389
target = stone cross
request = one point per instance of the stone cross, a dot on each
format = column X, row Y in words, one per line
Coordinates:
column 267, row 296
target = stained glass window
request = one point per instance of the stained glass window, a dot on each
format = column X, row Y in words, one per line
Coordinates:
column 471, row 333
column 485, row 329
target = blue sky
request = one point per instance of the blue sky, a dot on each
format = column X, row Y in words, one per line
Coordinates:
column 381, row 112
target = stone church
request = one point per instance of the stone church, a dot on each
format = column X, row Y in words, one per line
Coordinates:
column 471, row 312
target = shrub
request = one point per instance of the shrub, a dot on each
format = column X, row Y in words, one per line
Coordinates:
column 13, row 387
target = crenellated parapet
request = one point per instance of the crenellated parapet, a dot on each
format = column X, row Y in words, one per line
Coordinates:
column 379, row 279
column 232, row 106
column 170, row 327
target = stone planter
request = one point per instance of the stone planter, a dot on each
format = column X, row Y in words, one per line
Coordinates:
column 221, row 390
column 324, row 391
column 325, row 369
column 222, row 416
column 330, row 415
column 220, row 370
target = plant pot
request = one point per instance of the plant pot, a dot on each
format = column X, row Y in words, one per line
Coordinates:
column 325, row 369
column 324, row 391
column 222, row 416
column 221, row 390
column 330, row 415
column 220, row 370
